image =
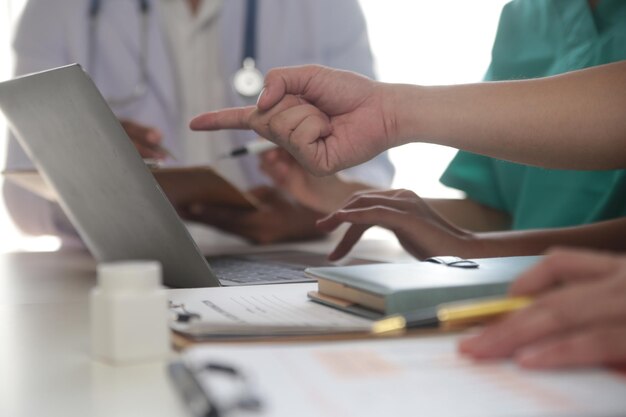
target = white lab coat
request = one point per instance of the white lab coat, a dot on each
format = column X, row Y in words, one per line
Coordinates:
column 52, row 33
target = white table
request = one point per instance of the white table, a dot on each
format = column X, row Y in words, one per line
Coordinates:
column 45, row 365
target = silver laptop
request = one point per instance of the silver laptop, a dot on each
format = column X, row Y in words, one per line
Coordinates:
column 108, row 193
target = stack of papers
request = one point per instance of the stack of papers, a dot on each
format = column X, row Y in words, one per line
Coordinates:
column 252, row 312
column 404, row 377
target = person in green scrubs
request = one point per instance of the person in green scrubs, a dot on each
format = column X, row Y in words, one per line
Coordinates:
column 511, row 209
column 514, row 209
column 538, row 38
column 575, row 120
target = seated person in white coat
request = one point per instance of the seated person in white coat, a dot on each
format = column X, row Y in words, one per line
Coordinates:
column 160, row 62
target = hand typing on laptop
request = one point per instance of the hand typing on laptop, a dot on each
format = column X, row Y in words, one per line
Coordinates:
column 420, row 230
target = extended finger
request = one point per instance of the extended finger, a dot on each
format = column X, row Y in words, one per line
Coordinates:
column 364, row 201
column 562, row 266
column 282, row 81
column 233, row 118
column 391, row 199
column 352, row 236
column 386, row 217
column 597, row 345
column 380, row 197
column 242, row 117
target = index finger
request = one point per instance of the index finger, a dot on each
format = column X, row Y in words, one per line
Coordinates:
column 233, row 118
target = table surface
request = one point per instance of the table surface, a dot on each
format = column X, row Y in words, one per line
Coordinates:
column 45, row 363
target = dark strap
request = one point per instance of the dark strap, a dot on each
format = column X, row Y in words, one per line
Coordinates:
column 249, row 46
column 94, row 7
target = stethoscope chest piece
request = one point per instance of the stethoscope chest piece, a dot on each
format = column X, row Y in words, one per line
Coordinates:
column 248, row 80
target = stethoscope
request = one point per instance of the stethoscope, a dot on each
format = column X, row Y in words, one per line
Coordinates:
column 141, row 86
column 248, row 80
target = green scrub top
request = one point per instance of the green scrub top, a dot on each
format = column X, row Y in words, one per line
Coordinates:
column 538, row 38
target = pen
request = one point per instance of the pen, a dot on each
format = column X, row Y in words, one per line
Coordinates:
column 253, row 148
column 199, row 399
column 451, row 315
column 191, row 390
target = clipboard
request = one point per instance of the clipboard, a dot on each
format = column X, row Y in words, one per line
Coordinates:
column 182, row 186
column 399, row 377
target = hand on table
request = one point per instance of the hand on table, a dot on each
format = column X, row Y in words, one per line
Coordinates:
column 420, row 230
column 578, row 318
column 146, row 139
column 327, row 119
column 323, row 194
column 277, row 220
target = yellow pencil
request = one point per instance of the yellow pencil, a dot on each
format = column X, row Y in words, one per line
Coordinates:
column 452, row 315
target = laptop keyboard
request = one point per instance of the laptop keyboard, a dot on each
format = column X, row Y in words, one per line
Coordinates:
column 247, row 271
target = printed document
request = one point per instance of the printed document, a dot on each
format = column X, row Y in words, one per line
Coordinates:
column 268, row 309
column 408, row 377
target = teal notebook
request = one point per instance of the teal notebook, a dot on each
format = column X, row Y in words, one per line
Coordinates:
column 385, row 289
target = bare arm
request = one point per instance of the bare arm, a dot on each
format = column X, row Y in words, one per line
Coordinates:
column 470, row 215
column 330, row 119
column 424, row 232
column 574, row 120
column 607, row 235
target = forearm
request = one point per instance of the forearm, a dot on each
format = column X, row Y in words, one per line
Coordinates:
column 575, row 120
column 607, row 235
column 469, row 215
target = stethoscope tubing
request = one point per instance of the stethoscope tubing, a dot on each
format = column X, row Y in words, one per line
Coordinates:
column 141, row 87
column 249, row 46
column 96, row 5
column 252, row 77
